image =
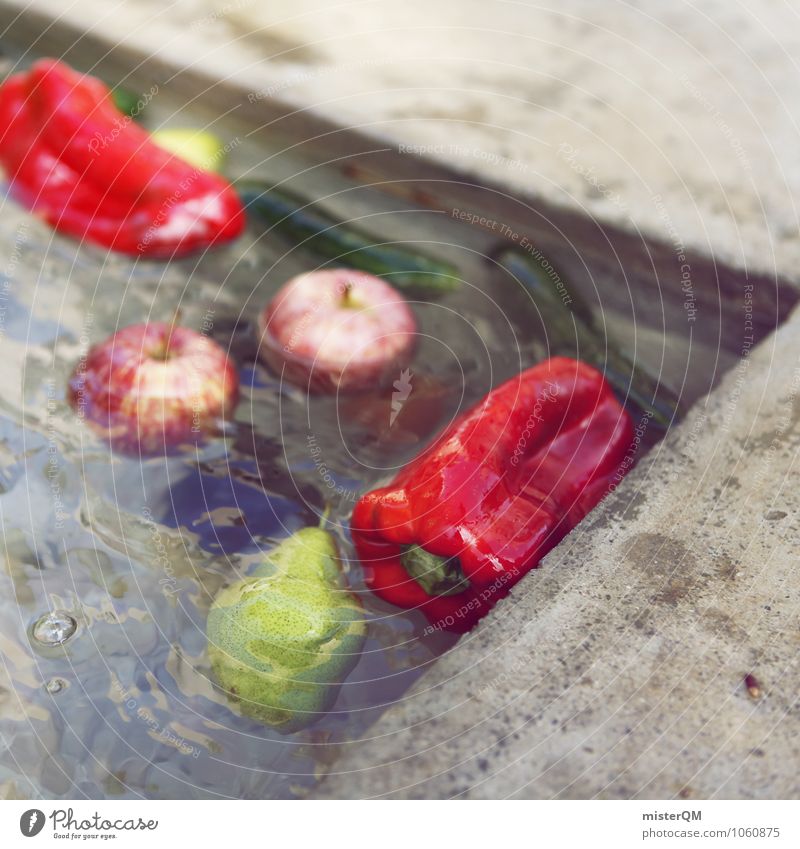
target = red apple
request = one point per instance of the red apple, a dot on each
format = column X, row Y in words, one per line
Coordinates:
column 152, row 386
column 337, row 330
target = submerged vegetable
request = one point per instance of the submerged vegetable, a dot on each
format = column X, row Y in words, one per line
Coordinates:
column 412, row 272
column 89, row 171
column 477, row 510
column 282, row 641
column 571, row 331
column 197, row 147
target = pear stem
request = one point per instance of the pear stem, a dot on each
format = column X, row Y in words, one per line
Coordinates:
column 324, row 516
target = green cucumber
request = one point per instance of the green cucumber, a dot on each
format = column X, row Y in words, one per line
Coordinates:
column 570, row 321
column 313, row 230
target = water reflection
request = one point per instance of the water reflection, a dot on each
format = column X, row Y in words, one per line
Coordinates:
column 134, row 550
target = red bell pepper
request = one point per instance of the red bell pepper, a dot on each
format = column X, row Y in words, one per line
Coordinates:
column 93, row 173
column 464, row 521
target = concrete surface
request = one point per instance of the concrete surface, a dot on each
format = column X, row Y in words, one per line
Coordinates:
column 617, row 670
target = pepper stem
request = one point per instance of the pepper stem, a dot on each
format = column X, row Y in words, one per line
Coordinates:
column 436, row 575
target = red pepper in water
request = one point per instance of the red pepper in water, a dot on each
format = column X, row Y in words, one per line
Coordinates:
column 501, row 486
column 93, row 173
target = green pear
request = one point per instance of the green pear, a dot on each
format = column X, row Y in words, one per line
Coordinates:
column 282, row 641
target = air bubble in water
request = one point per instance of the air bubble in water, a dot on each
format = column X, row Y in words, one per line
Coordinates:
column 54, row 628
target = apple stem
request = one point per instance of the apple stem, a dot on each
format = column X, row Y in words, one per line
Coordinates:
column 348, row 301
column 176, row 317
